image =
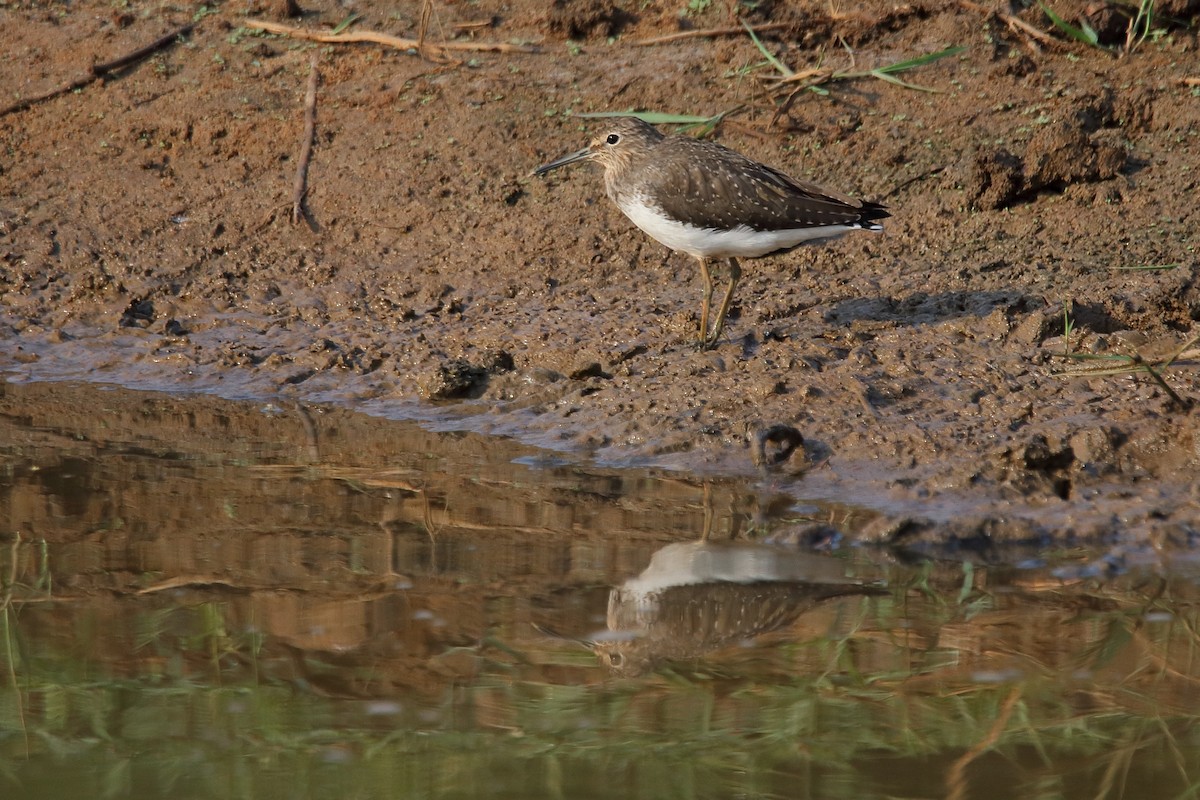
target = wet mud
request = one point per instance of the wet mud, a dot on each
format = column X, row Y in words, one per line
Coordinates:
column 1012, row 360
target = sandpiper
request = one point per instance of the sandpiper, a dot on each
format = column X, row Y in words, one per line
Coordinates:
column 705, row 200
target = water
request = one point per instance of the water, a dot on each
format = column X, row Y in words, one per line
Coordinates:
column 213, row 599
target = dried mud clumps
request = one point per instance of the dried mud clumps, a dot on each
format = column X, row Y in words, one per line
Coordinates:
column 581, row 19
column 1058, row 156
column 460, row 378
column 998, row 178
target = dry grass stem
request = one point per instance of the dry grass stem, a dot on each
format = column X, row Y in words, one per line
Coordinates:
column 708, row 33
column 1015, row 24
column 300, row 185
column 387, row 40
column 97, row 71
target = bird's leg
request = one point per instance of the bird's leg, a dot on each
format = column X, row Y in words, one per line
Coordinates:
column 735, row 274
column 708, row 292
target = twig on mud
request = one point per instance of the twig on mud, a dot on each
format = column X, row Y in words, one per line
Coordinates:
column 97, row 71
column 1015, row 24
column 386, row 39
column 137, row 55
column 709, row 32
column 300, row 185
column 1190, row 81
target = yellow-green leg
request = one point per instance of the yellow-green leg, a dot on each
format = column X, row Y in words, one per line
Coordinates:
column 735, row 273
column 708, row 292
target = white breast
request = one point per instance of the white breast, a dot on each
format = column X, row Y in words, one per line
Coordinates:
column 710, row 243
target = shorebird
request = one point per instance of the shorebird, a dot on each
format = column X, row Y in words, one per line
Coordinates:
column 710, row 202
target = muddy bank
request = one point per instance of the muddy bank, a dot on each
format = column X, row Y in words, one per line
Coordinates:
column 932, row 370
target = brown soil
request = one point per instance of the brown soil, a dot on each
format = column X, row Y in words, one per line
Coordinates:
column 145, row 240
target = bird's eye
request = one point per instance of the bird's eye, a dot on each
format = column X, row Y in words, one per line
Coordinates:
column 613, row 138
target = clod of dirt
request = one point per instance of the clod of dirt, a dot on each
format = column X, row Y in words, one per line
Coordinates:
column 890, row 530
column 497, row 361
column 581, row 19
column 460, row 378
column 1039, row 455
column 1058, row 156
column 809, row 535
column 1036, row 327
column 453, row 380
column 138, row 314
column 1040, row 466
column 996, row 180
column 1095, row 449
column 987, row 533
column 274, row 9
column 286, row 9
column 587, row 369
column 1130, row 110
column 771, row 447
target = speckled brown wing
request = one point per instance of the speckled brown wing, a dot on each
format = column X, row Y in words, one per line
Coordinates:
column 709, row 186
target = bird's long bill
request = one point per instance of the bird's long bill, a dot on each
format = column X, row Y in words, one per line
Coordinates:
column 562, row 162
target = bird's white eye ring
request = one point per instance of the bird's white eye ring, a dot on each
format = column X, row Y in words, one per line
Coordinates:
column 613, row 138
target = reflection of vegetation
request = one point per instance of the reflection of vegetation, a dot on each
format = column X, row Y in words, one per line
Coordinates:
column 10, row 585
column 958, row 672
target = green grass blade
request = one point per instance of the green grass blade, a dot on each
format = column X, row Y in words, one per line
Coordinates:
column 1085, row 34
column 1080, row 372
column 1089, row 32
column 1101, row 357
column 920, row 61
column 968, row 584
column 888, row 72
column 883, row 76
column 775, row 62
column 346, row 23
column 1183, row 348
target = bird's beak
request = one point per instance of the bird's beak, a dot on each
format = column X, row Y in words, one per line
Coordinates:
column 571, row 158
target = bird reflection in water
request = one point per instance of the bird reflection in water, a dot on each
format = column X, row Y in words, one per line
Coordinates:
column 698, row 597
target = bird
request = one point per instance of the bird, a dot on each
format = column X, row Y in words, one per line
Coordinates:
column 701, row 198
